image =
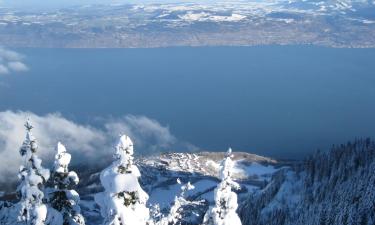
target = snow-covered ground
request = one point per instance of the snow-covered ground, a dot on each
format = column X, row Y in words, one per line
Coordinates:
column 160, row 174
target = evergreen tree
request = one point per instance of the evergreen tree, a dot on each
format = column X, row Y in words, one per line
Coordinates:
column 61, row 195
column 33, row 177
column 334, row 187
column 224, row 211
column 123, row 202
column 176, row 212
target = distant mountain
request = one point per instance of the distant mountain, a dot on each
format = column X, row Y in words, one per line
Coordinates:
column 337, row 23
column 334, row 188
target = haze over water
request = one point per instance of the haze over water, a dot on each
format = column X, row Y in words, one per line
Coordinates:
column 281, row 101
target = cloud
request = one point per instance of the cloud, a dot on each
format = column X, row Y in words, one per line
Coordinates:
column 18, row 66
column 147, row 133
column 88, row 145
column 10, row 55
column 3, row 69
column 11, row 61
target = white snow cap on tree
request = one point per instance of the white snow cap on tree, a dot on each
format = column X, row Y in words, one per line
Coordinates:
column 62, row 197
column 32, row 176
column 224, row 211
column 175, row 213
column 123, row 201
column 62, row 159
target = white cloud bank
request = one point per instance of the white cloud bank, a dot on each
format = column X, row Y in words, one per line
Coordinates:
column 11, row 61
column 86, row 143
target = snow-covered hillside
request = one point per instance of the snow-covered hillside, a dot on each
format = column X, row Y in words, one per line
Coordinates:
column 333, row 188
column 160, row 174
column 338, row 23
column 337, row 187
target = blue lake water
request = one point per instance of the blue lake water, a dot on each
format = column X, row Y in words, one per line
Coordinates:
column 282, row 101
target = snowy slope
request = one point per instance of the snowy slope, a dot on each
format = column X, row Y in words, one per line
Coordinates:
column 335, row 188
column 332, row 188
column 160, row 173
column 338, row 23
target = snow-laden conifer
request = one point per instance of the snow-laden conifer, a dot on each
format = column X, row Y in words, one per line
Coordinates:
column 123, row 202
column 224, row 210
column 33, row 177
column 61, row 194
column 176, row 211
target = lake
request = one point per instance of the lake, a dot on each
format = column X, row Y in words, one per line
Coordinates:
column 281, row 101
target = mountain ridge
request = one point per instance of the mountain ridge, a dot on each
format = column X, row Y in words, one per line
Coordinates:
column 335, row 188
column 235, row 23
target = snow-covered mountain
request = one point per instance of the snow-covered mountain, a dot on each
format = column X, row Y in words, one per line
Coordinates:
column 160, row 174
column 159, row 180
column 333, row 188
column 340, row 23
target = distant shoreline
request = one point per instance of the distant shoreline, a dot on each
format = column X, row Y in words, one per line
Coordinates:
column 191, row 46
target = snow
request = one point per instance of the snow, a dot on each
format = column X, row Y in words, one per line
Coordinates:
column 212, row 164
column 32, row 176
column 34, row 179
column 123, row 201
column 62, row 158
column 63, row 200
column 321, row 191
column 224, row 210
column 113, row 182
column 245, row 170
column 73, row 177
column 124, row 149
column 255, row 170
column 259, row 169
column 164, row 196
column 175, row 213
column 287, row 194
column 250, row 189
column 40, row 214
column 204, row 16
column 89, row 205
column 73, row 195
column 54, row 217
column 209, row 196
column 204, row 185
column 183, row 162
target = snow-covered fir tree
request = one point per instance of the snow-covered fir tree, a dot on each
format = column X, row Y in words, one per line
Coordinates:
column 224, row 210
column 179, row 201
column 33, row 177
column 61, row 194
column 177, row 210
column 123, row 202
column 335, row 187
